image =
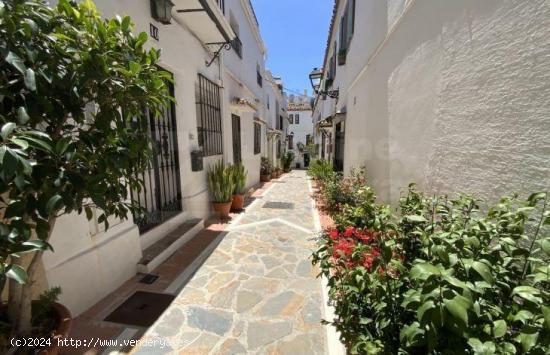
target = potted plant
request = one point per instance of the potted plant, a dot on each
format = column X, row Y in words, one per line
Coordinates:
column 58, row 157
column 239, row 180
column 342, row 53
column 265, row 170
column 222, row 186
column 287, row 160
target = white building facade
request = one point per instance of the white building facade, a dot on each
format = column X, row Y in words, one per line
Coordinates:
column 220, row 113
column 449, row 94
column 300, row 129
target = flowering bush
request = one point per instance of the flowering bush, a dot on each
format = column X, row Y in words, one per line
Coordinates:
column 442, row 276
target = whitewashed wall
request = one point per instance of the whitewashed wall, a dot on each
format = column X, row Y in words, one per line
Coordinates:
column 88, row 263
column 450, row 94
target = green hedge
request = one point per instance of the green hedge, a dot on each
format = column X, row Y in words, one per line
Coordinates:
column 439, row 275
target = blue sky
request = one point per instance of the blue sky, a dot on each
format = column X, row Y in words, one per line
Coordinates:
column 295, row 33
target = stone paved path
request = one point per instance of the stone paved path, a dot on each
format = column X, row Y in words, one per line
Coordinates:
column 257, row 293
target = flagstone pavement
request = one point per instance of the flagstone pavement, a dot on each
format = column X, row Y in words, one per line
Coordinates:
column 257, row 293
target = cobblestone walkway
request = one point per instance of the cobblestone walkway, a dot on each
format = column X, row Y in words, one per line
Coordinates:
column 257, row 293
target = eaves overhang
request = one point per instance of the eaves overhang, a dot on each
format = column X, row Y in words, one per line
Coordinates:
column 205, row 19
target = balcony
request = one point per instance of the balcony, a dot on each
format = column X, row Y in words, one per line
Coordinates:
column 205, row 18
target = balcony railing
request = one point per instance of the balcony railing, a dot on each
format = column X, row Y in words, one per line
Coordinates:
column 238, row 46
column 221, row 4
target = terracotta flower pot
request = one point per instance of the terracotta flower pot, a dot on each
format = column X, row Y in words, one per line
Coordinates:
column 238, row 202
column 64, row 322
column 265, row 178
column 222, row 208
column 274, row 175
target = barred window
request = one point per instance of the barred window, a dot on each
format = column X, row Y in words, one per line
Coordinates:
column 291, row 118
column 209, row 119
column 297, row 119
column 257, row 138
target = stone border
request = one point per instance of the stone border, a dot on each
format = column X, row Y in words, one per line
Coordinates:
column 334, row 345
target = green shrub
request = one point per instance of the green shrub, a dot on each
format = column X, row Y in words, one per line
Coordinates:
column 239, row 178
column 221, row 182
column 287, row 160
column 265, row 166
column 320, row 169
column 444, row 276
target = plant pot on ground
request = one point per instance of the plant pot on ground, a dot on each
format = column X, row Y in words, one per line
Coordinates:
column 221, row 185
column 239, row 180
column 51, row 322
column 287, row 160
column 265, row 170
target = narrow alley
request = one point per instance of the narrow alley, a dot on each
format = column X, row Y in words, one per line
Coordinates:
column 257, row 292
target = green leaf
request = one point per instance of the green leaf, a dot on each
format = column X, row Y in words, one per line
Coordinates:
column 7, row 129
column 523, row 316
column 546, row 315
column 17, row 273
column 89, row 213
column 499, row 328
column 53, row 204
column 423, row 271
column 16, row 62
column 483, row 270
column 528, row 338
column 30, row 79
column 479, row 348
column 38, row 244
column 545, row 245
column 528, row 293
column 420, row 313
column 415, row 218
column 458, row 307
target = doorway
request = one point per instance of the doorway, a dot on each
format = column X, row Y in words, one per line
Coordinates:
column 236, row 123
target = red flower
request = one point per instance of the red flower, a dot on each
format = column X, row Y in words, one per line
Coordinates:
column 367, row 262
column 349, row 232
column 344, row 248
column 334, row 235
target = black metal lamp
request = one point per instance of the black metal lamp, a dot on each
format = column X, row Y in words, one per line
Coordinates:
column 315, row 79
column 161, row 10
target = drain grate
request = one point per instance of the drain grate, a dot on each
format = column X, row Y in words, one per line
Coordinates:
column 141, row 309
column 149, row 279
column 279, row 205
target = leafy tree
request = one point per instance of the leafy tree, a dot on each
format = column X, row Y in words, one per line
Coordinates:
column 73, row 89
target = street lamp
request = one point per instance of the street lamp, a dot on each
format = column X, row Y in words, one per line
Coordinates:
column 161, row 10
column 315, row 79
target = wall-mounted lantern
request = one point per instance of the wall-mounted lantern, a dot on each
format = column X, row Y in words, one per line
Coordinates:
column 315, row 78
column 161, row 10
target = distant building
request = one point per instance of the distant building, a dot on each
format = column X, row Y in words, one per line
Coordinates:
column 300, row 130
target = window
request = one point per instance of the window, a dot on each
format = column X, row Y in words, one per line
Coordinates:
column 238, row 47
column 259, row 75
column 278, row 148
column 209, row 119
column 290, row 142
column 291, row 118
column 236, row 44
column 268, row 105
column 347, row 25
column 257, row 138
column 297, row 119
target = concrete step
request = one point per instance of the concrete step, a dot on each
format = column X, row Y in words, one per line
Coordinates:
column 161, row 250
